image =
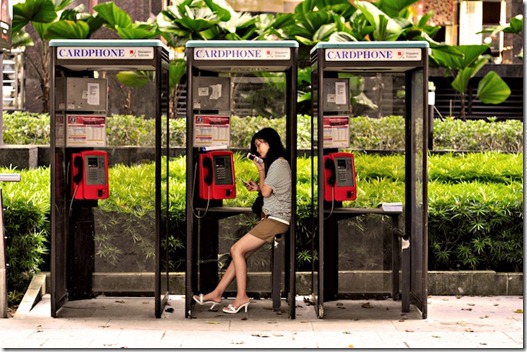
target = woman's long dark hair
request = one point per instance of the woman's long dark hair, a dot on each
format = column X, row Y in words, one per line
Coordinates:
column 276, row 148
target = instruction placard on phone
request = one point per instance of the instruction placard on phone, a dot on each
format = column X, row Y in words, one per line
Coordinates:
column 336, row 132
column 86, row 130
column 212, row 130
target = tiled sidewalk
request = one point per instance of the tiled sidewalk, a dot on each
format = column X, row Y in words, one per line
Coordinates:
column 128, row 322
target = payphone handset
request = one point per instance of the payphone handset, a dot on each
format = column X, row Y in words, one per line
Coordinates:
column 216, row 175
column 339, row 177
column 89, row 175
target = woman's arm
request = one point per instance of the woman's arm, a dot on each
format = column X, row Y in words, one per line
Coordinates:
column 264, row 189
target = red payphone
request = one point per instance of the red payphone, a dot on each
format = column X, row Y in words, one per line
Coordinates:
column 216, row 170
column 89, row 175
column 339, row 177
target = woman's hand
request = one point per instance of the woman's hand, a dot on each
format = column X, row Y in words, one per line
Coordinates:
column 251, row 186
column 259, row 166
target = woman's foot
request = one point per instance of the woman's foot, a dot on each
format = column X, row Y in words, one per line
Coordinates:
column 232, row 309
column 207, row 299
column 237, row 304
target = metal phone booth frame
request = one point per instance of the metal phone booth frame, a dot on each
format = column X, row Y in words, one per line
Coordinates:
column 411, row 59
column 207, row 59
column 72, row 220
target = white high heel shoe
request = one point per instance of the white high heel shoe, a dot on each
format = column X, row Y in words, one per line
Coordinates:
column 199, row 300
column 230, row 309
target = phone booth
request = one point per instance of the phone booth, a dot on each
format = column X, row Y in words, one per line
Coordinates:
column 217, row 72
column 380, row 78
column 88, row 236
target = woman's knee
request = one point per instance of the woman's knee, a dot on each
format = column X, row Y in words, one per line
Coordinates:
column 236, row 250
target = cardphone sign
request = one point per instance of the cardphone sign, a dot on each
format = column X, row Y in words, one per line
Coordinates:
column 242, row 54
column 361, row 54
column 98, row 53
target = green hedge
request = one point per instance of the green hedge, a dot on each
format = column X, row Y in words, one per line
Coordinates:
column 365, row 133
column 475, row 204
column 475, row 199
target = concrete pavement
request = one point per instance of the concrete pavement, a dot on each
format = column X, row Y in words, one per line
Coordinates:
column 494, row 322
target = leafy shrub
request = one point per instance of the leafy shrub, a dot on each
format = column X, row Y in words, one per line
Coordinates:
column 365, row 133
column 478, row 135
column 26, row 128
column 475, row 199
column 27, row 228
column 476, row 226
column 475, row 205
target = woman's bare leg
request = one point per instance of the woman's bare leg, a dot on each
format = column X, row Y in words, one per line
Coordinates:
column 229, row 275
column 239, row 252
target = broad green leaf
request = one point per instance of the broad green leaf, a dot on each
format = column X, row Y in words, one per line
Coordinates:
column 342, row 37
column 281, row 20
column 62, row 4
column 134, row 79
column 393, row 8
column 460, row 83
column 470, row 53
column 305, row 41
column 515, row 25
column 492, row 89
column 222, row 13
column 386, row 27
column 113, row 15
column 21, row 38
column 314, row 20
column 305, row 7
column 177, row 70
column 210, row 33
column 137, row 32
column 195, row 25
column 323, row 33
column 67, row 30
column 424, row 20
column 304, row 97
column 38, row 11
column 41, row 29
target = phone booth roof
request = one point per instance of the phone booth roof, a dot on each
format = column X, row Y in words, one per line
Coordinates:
column 108, row 54
column 242, row 44
column 242, row 56
column 387, row 56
